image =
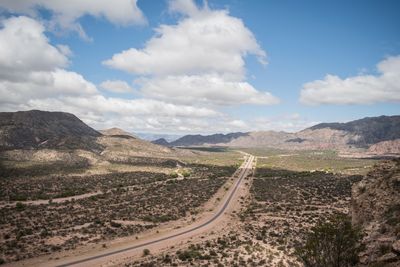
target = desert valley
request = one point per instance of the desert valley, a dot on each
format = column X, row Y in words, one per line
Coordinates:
column 71, row 195
column 209, row 133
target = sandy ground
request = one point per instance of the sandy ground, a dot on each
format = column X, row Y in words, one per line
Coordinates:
column 174, row 234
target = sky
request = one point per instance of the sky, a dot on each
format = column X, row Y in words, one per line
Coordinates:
column 184, row 66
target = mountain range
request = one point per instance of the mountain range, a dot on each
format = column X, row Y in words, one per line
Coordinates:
column 58, row 130
column 373, row 133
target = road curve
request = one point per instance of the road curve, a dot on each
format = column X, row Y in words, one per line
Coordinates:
column 243, row 172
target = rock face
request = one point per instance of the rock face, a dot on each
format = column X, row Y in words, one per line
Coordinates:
column 41, row 129
column 376, row 208
column 386, row 147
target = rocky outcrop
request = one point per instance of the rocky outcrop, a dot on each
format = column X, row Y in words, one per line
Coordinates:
column 376, row 208
column 386, row 147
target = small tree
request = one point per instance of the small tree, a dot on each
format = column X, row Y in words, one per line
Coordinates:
column 146, row 252
column 20, row 206
column 331, row 244
column 186, row 173
column 173, row 175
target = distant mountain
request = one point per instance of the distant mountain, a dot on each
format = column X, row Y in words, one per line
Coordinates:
column 42, row 129
column 153, row 136
column 370, row 130
column 341, row 136
column 161, row 142
column 197, row 140
column 116, row 132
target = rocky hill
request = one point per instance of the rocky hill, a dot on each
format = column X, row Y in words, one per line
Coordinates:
column 370, row 130
column 376, row 208
column 385, row 147
column 41, row 129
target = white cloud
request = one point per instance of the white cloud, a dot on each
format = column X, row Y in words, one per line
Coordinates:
column 116, row 86
column 200, row 59
column 361, row 89
column 66, row 13
column 205, row 41
column 284, row 122
column 204, row 89
column 125, row 107
column 30, row 67
column 34, row 75
column 24, row 47
column 27, row 84
column 184, row 7
column 131, row 114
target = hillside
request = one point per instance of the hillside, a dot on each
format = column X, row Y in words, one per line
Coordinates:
column 370, row 130
column 385, row 147
column 42, row 129
column 376, row 208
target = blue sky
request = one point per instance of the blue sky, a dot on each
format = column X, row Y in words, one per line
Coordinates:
column 301, row 41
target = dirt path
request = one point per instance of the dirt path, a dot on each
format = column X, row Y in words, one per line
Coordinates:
column 46, row 201
column 120, row 252
column 75, row 197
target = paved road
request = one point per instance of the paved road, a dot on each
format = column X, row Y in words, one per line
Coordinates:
column 186, row 232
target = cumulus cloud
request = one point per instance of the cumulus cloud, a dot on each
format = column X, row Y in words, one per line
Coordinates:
column 116, row 86
column 34, row 75
column 24, row 47
column 204, row 89
column 100, row 104
column 361, row 89
column 34, row 78
column 30, row 67
column 202, row 42
column 201, row 57
column 65, row 14
column 184, row 7
column 28, row 84
column 131, row 114
column 283, row 122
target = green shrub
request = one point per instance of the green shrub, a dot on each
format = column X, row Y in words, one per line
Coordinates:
column 146, row 252
column 185, row 173
column 331, row 244
column 189, row 255
column 115, row 224
column 173, row 175
column 20, row 206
